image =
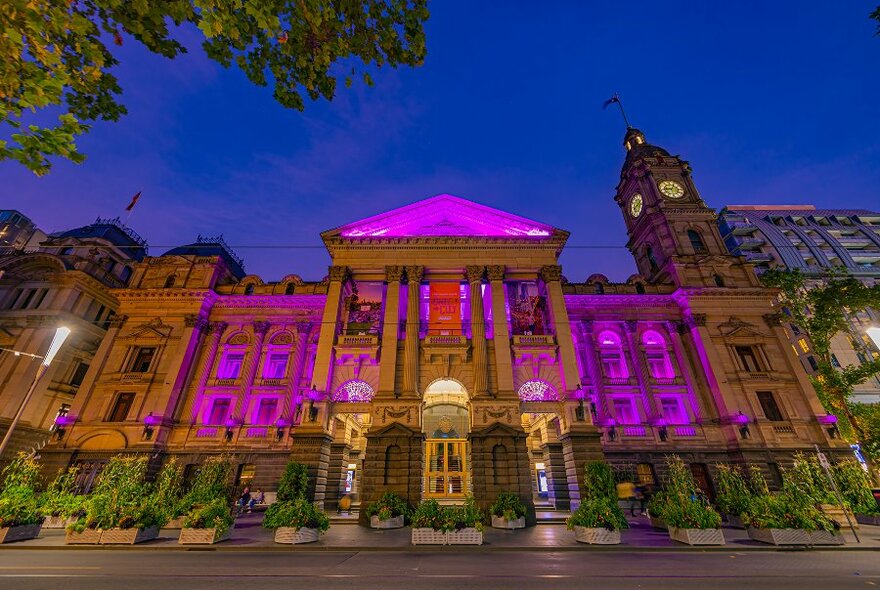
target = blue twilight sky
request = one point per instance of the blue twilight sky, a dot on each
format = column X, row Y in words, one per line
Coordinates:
column 771, row 102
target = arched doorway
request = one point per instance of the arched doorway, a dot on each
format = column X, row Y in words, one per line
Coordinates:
column 446, row 425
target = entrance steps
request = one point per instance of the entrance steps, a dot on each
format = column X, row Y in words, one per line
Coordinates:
column 551, row 515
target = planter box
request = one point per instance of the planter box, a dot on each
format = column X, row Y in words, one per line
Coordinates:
column 23, row 532
column 836, row 513
column 825, row 538
column 868, row 519
column 697, row 536
column 467, row 536
column 395, row 522
column 87, row 537
column 426, row 536
column 202, row 536
column 175, row 523
column 658, row 523
column 128, row 536
column 735, row 522
column 499, row 522
column 291, row 536
column 57, row 522
column 779, row 536
column 596, row 536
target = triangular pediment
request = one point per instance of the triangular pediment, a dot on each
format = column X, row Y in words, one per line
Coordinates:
column 155, row 328
column 444, row 216
column 737, row 327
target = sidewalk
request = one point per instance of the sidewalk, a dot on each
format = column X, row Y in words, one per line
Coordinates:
column 346, row 535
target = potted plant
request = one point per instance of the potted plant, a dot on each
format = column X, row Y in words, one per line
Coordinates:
column 20, row 516
column 60, row 503
column 855, row 487
column 208, row 517
column 809, row 478
column 119, row 510
column 655, row 508
column 294, row 518
column 785, row 519
column 508, row 512
column 733, row 494
column 598, row 519
column 168, row 496
column 388, row 512
column 295, row 521
column 433, row 524
column 686, row 512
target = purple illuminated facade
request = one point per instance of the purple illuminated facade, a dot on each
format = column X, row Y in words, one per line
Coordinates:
column 446, row 319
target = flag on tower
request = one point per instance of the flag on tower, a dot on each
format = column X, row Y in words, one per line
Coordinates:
column 134, row 201
column 610, row 101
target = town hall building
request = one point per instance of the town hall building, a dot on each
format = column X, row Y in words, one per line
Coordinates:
column 447, row 353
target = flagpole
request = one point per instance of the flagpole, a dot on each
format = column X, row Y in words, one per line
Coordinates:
column 622, row 112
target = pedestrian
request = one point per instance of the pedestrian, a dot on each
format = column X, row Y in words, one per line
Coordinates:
column 626, row 492
column 638, row 500
column 257, row 498
column 245, row 497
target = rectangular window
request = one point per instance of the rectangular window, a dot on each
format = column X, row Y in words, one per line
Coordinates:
column 659, row 366
column 266, row 411
column 79, row 373
column 645, row 473
column 614, row 366
column 219, row 411
column 121, row 407
column 673, row 410
column 769, row 406
column 142, row 359
column 230, row 365
column 29, row 294
column 748, row 359
column 803, row 344
column 276, row 365
column 625, row 410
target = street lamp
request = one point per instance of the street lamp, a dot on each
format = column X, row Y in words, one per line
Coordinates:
column 61, row 335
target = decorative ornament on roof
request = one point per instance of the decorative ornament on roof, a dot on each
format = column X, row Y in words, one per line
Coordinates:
column 218, row 240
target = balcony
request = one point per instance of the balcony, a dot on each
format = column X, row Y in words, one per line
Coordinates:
column 358, row 340
column 135, row 377
column 273, row 381
column 354, row 347
column 619, row 381
column 749, row 243
column 666, row 380
column 741, row 228
column 759, row 257
column 226, row 382
column 445, row 340
column 534, row 340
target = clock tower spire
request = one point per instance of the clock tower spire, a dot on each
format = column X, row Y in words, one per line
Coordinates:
column 673, row 234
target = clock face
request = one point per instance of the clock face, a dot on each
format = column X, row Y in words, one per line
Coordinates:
column 635, row 205
column 671, row 189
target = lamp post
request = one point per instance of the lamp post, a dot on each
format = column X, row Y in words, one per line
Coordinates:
column 61, row 335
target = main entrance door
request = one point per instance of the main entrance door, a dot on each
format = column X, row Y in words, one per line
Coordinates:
column 446, row 424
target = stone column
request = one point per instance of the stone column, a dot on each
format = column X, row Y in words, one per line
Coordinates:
column 557, row 482
column 675, row 330
column 288, row 412
column 194, row 336
column 499, row 463
column 206, row 366
column 551, row 275
column 250, row 371
column 393, row 461
column 414, row 276
column 500, row 332
column 312, row 449
column 578, row 448
column 327, row 340
column 478, row 328
column 336, row 471
column 631, row 329
column 390, row 332
column 594, row 366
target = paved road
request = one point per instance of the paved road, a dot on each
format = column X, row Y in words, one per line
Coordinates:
column 447, row 570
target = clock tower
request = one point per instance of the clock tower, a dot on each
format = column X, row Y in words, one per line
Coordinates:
column 673, row 234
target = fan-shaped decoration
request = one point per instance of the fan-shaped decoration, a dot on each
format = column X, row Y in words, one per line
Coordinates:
column 537, row 391
column 283, row 337
column 354, row 391
column 239, row 338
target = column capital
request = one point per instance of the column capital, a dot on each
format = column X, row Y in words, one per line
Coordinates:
column 587, row 325
column 495, row 272
column 631, row 326
column 474, row 273
column 217, row 328
column 697, row 320
column 303, row 328
column 192, row 320
column 414, row 274
column 551, row 272
column 117, row 321
column 393, row 274
column 339, row 273
column 261, row 328
column 773, row 320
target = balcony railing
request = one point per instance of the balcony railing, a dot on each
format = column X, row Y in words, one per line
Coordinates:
column 445, row 340
column 134, row 377
column 273, row 381
column 358, row 340
column 618, row 381
column 534, row 339
column 225, row 382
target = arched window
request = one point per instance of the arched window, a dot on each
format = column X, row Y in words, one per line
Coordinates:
column 719, row 281
column 657, row 356
column 500, row 466
column 249, row 289
column 600, row 289
column 169, row 282
column 288, row 290
column 640, row 288
column 696, row 242
column 537, row 391
column 649, row 254
column 354, row 391
column 393, row 457
column 611, row 353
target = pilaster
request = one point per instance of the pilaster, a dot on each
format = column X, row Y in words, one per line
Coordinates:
column 390, row 332
column 327, row 339
column 478, row 329
column 551, row 275
column 414, row 276
column 500, row 332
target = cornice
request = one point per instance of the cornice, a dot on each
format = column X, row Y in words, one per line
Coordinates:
column 313, row 302
column 623, row 300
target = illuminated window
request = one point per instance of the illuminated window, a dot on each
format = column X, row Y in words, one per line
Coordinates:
column 219, row 411
column 276, row 365
column 611, row 352
column 266, row 411
column 354, row 391
column 230, row 365
column 656, row 355
column 625, row 410
column 803, row 344
column 645, row 472
column 537, row 391
column 673, row 410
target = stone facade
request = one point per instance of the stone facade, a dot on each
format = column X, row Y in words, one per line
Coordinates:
column 445, row 353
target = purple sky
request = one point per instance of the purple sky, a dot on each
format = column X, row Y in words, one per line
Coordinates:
column 770, row 102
